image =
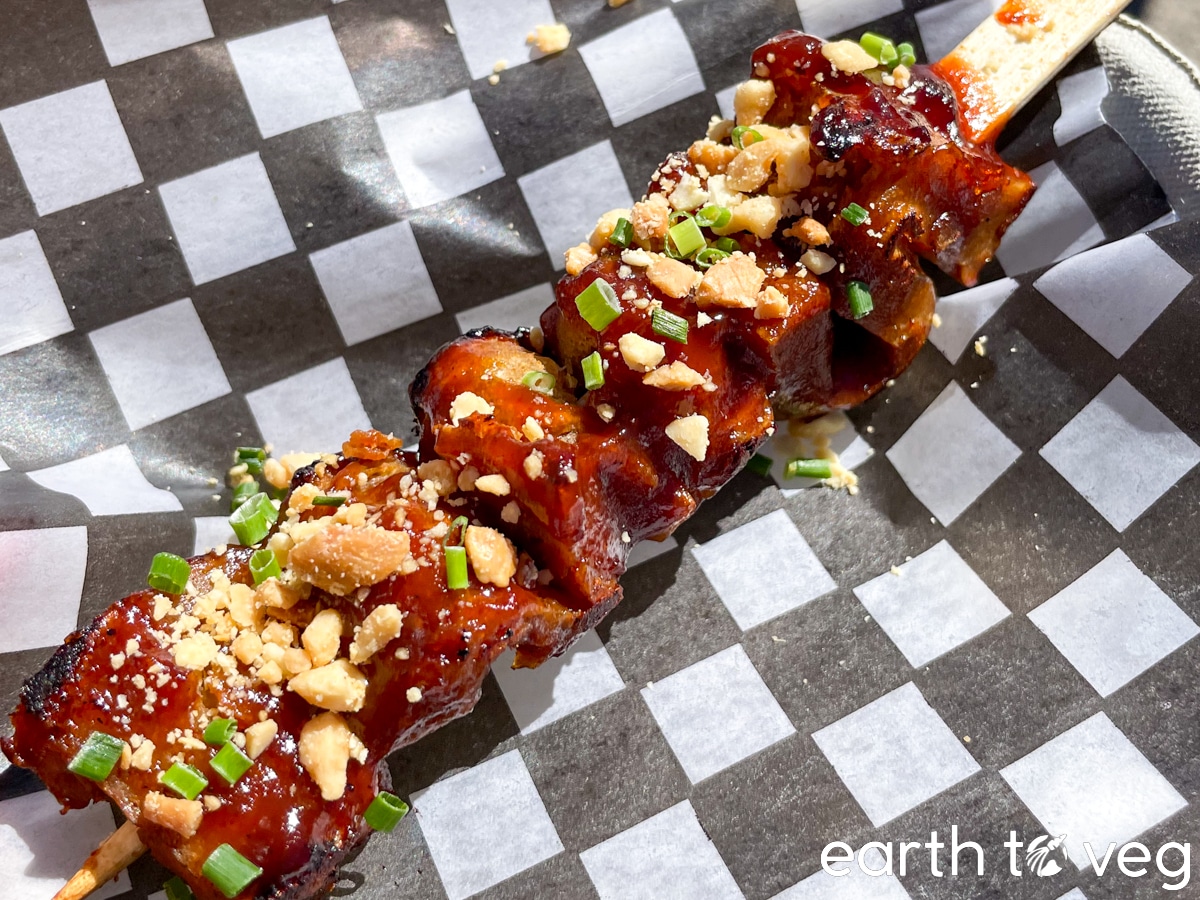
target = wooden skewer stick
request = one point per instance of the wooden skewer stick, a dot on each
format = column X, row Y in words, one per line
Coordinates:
column 107, row 861
column 997, row 70
column 1003, row 63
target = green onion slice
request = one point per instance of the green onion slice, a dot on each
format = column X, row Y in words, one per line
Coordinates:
column 219, row 731
column 184, row 780
column 252, row 521
column 252, row 457
column 669, row 325
column 855, row 214
column 264, row 565
column 878, row 46
column 907, row 53
column 229, row 871
column 622, row 233
column 176, row 889
column 333, row 500
column 728, row 244
column 808, row 468
column 242, row 493
column 713, row 217
column 542, row 382
column 231, row 763
column 97, row 757
column 593, row 371
column 460, row 525
column 709, row 257
column 385, row 811
column 168, row 573
column 598, row 304
column 456, row 568
column 743, row 137
column 687, row 237
column 858, row 295
column 760, row 465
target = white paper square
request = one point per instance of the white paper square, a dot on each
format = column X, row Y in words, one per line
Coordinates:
column 825, row 18
column 943, row 26
column 1117, row 291
column 40, row 848
column 559, row 686
column 569, row 195
column 1073, row 894
column 376, row 283
column 894, row 754
column 3, row 465
column 854, row 885
column 667, row 855
column 485, row 825
column 519, row 310
column 294, row 76
column 935, row 604
column 70, row 147
column 159, row 363
column 31, row 305
column 716, row 712
column 1095, row 449
column 965, row 312
column 109, row 483
column 1056, row 224
column 1081, row 97
column 134, row 29
column 642, row 67
column 226, row 218
column 28, row 557
column 1113, row 624
column 1094, row 786
column 311, row 411
column 952, row 454
column 489, row 32
column 734, row 564
column 211, row 531
column 440, row 149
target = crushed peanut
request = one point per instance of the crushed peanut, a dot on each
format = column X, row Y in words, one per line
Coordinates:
column 752, row 100
column 771, row 304
column 640, row 354
column 259, row 737
column 493, row 484
column 578, row 258
column 690, row 433
column 338, row 686
column 849, row 57
column 672, row 277
column 181, row 816
column 325, row 753
column 323, row 637
column 733, row 282
column 468, row 404
column 492, row 557
column 678, row 376
column 550, row 38
column 340, row 558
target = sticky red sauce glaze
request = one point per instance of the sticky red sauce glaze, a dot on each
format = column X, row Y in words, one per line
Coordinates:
column 1021, row 12
column 274, row 815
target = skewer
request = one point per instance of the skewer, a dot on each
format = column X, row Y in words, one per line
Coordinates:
column 1012, row 55
column 107, row 861
column 995, row 71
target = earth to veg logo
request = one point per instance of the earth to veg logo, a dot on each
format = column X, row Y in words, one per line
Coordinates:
column 1039, row 858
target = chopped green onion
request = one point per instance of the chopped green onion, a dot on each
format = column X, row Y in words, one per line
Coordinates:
column 855, row 215
column 168, row 573
column 252, row 458
column 252, row 521
column 242, row 493
column 669, row 325
column 333, row 500
column 728, row 244
column 176, row 889
column 744, row 137
column 713, row 217
column 879, row 47
column 231, row 763
column 542, row 382
column 859, row 298
column 709, row 257
column 184, row 780
column 598, row 304
column 593, row 371
column 456, row 568
column 760, row 465
column 220, row 731
column 888, row 56
column 97, row 757
column 622, row 233
column 687, row 237
column 808, row 468
column 229, row 871
column 264, row 565
column 907, row 53
column 385, row 811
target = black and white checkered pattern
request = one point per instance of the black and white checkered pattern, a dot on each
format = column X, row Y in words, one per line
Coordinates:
column 225, row 222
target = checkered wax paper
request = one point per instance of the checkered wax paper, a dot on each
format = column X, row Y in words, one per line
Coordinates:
column 224, row 222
